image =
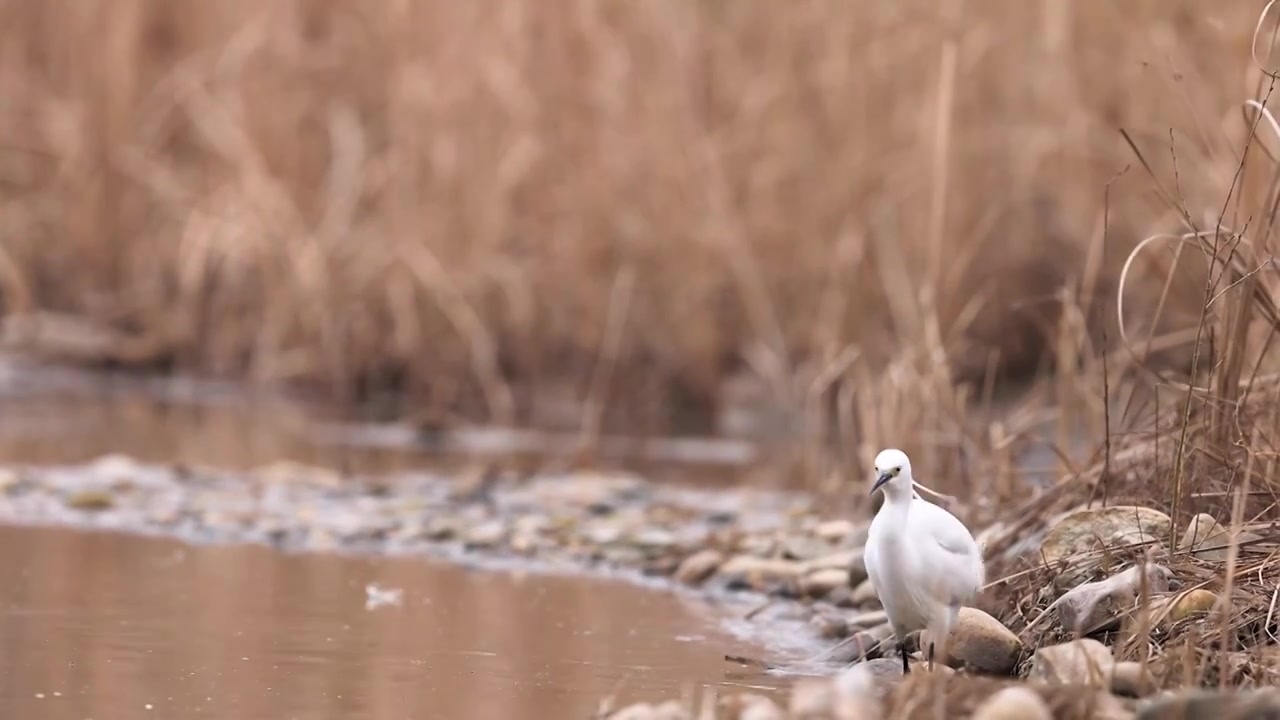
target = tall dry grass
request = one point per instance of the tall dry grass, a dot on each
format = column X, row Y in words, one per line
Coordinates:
column 475, row 206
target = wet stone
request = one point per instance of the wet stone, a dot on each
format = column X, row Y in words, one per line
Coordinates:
column 91, row 499
column 804, row 548
column 830, row 626
column 654, row 538
column 835, row 531
column 699, row 566
column 820, row 583
column 485, row 535
column 865, row 594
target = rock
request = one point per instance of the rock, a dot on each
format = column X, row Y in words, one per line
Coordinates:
column 879, row 677
column 1087, row 530
column 864, row 594
column 1079, row 662
column 91, row 499
column 1105, row 706
column 822, row 582
column 1261, row 704
column 1199, row 530
column 980, row 643
column 835, row 531
column 842, row 596
column 1094, row 605
column 756, row 545
column 812, row 699
column 865, row 643
column 759, row 572
column 9, row 479
column 1187, row 604
column 605, row 532
column 443, row 528
column 832, row 627
column 283, row 471
column 638, row 711
column 758, row 707
column 867, row 618
column 984, row 536
column 654, row 539
column 1204, row 531
column 671, row 710
column 699, row 566
column 740, row 706
column 850, row 560
column 485, row 535
column 804, row 548
column 1017, row 702
column 861, row 689
column 1132, row 679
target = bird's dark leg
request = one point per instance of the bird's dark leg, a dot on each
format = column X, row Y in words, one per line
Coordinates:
column 930, row 656
column 902, row 648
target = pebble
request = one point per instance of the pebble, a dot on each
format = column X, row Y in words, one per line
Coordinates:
column 864, row 594
column 1097, row 605
column 829, row 626
column 1079, row 662
column 804, row 548
column 759, row 707
column 1188, row 604
column 758, row 572
column 835, row 531
column 982, row 644
column 820, row 583
column 699, row 566
column 486, row 534
column 811, row 699
column 669, row 710
column 1132, row 679
column 1016, row 702
column 90, row 499
column 1084, row 531
column 1211, row 705
column 850, row 561
column 879, row 676
column 1205, row 532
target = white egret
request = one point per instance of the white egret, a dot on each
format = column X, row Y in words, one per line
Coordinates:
column 923, row 562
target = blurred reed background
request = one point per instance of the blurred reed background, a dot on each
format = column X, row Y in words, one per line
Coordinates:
column 478, row 209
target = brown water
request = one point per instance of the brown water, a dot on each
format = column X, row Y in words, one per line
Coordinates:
column 104, row 626
column 97, row 625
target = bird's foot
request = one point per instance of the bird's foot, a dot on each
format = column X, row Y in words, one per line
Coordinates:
column 906, row 668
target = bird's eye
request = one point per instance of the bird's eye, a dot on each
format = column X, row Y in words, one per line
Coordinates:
column 896, row 471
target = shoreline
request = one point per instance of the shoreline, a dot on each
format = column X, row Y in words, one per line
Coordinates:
column 606, row 526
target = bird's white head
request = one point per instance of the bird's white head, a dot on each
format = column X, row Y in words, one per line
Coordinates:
column 893, row 473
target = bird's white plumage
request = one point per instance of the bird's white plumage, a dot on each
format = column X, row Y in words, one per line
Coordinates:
column 922, row 561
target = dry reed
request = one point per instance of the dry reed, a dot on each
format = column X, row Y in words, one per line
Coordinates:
column 476, row 207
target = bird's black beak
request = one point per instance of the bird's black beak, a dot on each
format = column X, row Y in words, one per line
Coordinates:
column 881, row 479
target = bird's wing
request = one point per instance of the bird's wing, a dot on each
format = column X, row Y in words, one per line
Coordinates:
column 955, row 560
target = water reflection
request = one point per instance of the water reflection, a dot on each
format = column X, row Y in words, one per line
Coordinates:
column 106, row 626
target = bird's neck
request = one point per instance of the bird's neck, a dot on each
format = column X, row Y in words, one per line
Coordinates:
column 897, row 502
